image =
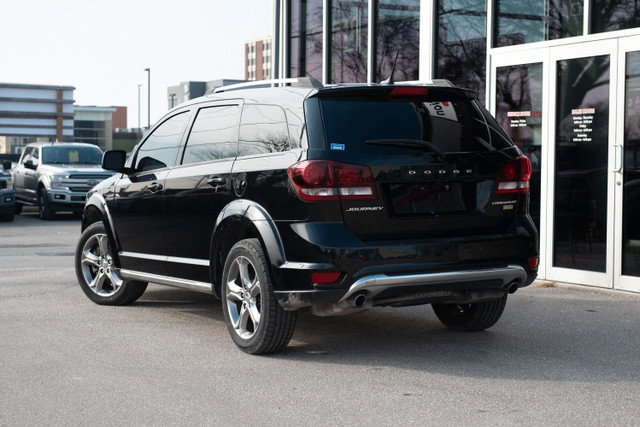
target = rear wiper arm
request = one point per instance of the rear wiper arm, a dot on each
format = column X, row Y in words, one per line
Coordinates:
column 412, row 143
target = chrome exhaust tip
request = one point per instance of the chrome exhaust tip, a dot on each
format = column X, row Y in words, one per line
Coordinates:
column 358, row 300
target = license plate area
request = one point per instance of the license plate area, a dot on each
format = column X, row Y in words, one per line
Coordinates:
column 430, row 198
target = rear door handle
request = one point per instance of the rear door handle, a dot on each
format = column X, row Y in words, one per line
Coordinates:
column 155, row 187
column 216, row 181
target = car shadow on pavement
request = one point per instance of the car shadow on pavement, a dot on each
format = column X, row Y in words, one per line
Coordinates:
column 544, row 335
column 30, row 215
column 167, row 298
column 544, row 339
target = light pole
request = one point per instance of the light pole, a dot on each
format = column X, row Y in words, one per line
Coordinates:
column 148, row 70
column 139, row 109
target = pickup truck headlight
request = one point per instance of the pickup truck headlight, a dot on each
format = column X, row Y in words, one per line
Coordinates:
column 56, row 181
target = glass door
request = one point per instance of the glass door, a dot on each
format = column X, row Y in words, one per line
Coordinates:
column 627, row 167
column 520, row 89
column 580, row 206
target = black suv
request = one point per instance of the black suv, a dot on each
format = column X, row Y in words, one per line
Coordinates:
column 335, row 198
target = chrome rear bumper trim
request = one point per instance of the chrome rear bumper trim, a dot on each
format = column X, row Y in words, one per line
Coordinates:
column 377, row 283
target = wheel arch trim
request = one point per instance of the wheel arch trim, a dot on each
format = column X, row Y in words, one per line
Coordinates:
column 98, row 203
column 248, row 213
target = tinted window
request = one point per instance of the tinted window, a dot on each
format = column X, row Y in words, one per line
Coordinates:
column 526, row 22
column 214, row 135
column 461, row 47
column 305, row 42
column 161, row 147
column 610, row 15
column 53, row 155
column 295, row 120
column 397, row 32
column 349, row 23
column 263, row 129
column 453, row 126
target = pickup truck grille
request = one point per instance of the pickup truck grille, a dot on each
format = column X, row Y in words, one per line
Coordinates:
column 81, row 183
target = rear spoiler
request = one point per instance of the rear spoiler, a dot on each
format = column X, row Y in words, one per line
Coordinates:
column 426, row 92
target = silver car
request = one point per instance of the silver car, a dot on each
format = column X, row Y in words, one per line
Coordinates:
column 57, row 176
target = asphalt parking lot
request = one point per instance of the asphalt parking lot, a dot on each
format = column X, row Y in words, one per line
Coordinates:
column 559, row 356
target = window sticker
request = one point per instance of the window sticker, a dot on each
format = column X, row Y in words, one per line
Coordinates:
column 74, row 157
column 443, row 110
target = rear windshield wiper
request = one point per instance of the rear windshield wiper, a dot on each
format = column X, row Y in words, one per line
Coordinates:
column 411, row 143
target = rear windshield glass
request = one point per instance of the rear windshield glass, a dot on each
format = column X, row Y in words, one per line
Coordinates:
column 455, row 126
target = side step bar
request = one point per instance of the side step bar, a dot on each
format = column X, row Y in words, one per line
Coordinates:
column 168, row 281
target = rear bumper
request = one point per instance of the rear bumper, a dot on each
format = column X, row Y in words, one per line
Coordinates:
column 456, row 270
column 460, row 287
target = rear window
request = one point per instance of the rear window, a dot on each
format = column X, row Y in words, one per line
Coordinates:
column 453, row 126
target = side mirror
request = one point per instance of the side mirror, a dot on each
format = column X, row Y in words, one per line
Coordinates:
column 114, row 160
column 29, row 165
column 6, row 164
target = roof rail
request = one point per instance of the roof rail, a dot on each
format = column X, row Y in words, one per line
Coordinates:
column 295, row 82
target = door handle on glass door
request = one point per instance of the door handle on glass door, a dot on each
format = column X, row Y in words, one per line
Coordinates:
column 618, row 157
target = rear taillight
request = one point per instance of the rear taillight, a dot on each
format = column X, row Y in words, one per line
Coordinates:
column 514, row 176
column 318, row 180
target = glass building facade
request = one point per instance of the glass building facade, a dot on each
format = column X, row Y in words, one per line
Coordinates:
column 562, row 77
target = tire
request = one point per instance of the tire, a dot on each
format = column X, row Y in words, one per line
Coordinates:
column 256, row 322
column 44, row 209
column 470, row 317
column 96, row 273
column 18, row 210
column 7, row 217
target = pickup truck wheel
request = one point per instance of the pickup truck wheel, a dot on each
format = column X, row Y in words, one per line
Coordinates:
column 44, row 209
column 18, row 208
column 470, row 317
column 256, row 322
column 7, row 217
column 97, row 273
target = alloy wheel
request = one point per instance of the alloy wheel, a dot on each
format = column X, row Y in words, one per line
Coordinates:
column 244, row 297
column 97, row 266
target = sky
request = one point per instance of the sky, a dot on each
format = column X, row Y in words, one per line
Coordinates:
column 103, row 47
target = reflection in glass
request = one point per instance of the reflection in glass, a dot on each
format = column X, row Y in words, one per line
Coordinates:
column 160, row 149
column 631, row 189
column 580, row 196
column 462, row 43
column 305, row 41
column 397, row 30
column 612, row 15
column 519, row 112
column 349, row 41
column 214, row 135
column 527, row 21
column 263, row 129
